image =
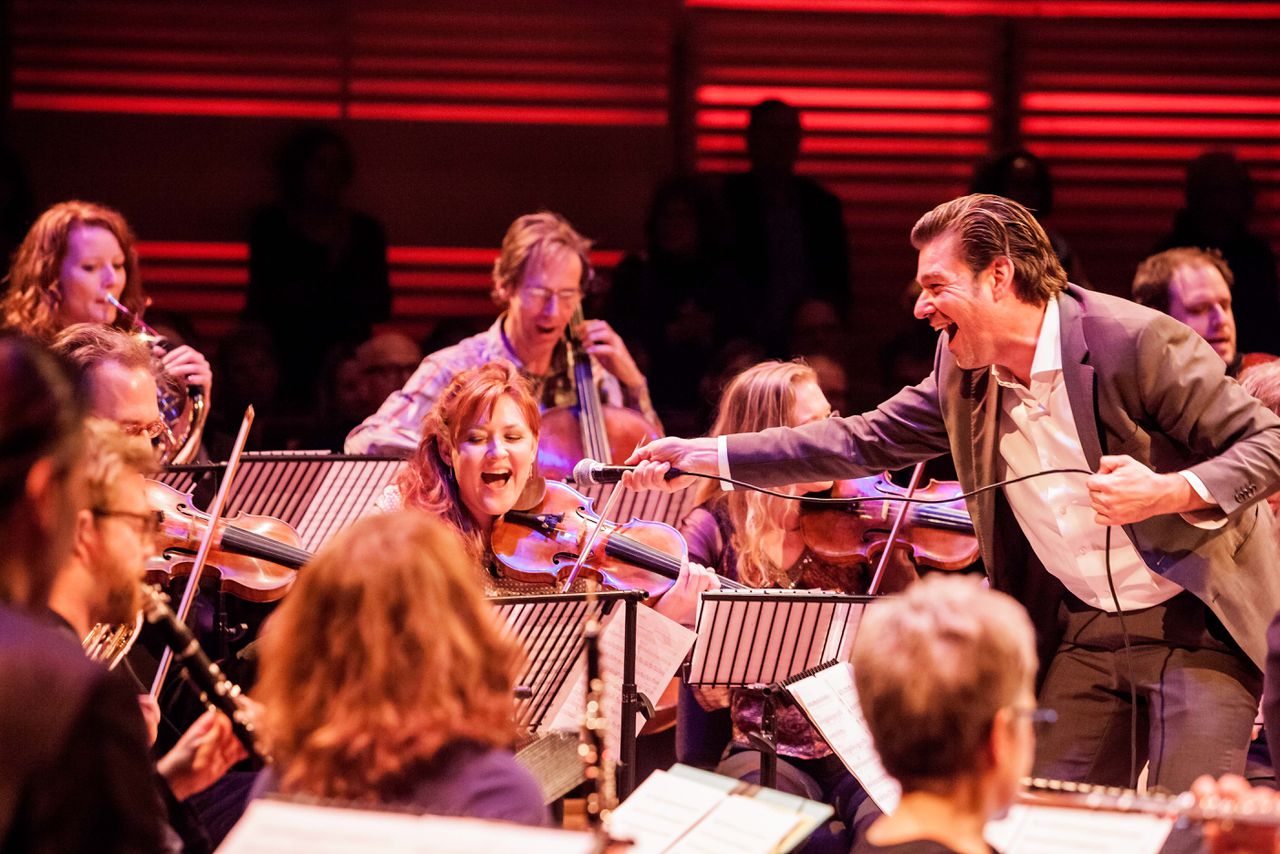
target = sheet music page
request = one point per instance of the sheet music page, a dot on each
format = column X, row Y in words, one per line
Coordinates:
column 741, row 825
column 830, row 701
column 661, row 646
column 270, row 826
column 662, row 808
column 1031, row 829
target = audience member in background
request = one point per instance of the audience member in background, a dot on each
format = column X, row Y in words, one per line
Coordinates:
column 1219, row 205
column 251, row 376
column 317, row 268
column 385, row 362
column 398, row 595
column 1022, row 176
column 787, row 238
column 72, row 258
column 1194, row 286
column 73, row 749
column 662, row 300
column 946, row 679
column 756, row 539
column 539, row 281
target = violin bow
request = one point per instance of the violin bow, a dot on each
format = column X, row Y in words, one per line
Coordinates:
column 206, row 543
column 903, row 507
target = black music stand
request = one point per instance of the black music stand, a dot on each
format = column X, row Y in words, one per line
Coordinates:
column 762, row 638
column 550, row 628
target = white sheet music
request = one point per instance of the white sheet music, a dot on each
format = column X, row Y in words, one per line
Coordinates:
column 1059, row 830
column 661, row 646
column 270, row 826
column 671, row 813
column 830, row 701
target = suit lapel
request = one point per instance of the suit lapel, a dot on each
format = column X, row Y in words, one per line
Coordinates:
column 1078, row 376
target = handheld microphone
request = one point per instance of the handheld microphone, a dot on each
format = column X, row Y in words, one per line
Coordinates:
column 589, row 471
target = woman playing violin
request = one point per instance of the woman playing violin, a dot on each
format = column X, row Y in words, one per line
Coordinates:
column 756, row 539
column 476, row 461
column 538, row 280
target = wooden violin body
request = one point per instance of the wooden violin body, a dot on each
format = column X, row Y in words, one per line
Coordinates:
column 939, row 536
column 256, row 557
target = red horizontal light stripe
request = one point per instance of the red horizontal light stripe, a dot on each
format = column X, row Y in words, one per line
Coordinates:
column 173, row 250
column 731, row 74
column 508, row 114
column 446, row 256
column 407, row 306
column 151, row 105
column 196, row 275
column 1012, row 8
column 1175, row 151
column 1126, row 102
column 848, row 98
column 825, row 145
column 1142, row 82
column 98, row 79
column 1156, row 127
column 141, row 56
column 440, row 280
column 530, row 67
column 510, row 90
column 199, row 302
column 813, row 120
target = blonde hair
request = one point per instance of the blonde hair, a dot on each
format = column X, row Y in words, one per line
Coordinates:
column 110, row 452
column 428, row 482
column 932, row 667
column 760, row 397
column 530, row 240
column 384, row 652
column 31, row 303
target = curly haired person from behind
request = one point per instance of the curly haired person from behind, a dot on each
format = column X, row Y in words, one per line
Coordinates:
column 386, row 678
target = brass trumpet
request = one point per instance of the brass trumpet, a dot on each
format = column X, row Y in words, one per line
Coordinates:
column 183, row 411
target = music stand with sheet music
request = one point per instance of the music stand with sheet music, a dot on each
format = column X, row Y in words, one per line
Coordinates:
column 550, row 628
column 763, row 638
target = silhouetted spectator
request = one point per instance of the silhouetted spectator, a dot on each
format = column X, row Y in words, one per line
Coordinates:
column 1219, row 203
column 662, row 301
column 1022, row 176
column 384, row 364
column 787, row 234
column 317, row 269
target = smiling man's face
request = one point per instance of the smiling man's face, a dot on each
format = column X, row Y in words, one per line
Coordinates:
column 955, row 300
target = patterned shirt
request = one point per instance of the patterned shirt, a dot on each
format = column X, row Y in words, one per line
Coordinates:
column 395, row 427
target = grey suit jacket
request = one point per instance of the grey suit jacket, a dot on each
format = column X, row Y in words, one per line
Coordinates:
column 1140, row 383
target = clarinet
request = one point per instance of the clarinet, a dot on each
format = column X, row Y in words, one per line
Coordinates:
column 599, row 785
column 216, row 690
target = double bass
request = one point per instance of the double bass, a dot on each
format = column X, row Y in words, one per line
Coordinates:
column 590, row 429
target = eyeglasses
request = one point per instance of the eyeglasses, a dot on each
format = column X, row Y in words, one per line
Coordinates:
column 1036, row 714
column 541, row 296
column 153, row 430
column 146, row 524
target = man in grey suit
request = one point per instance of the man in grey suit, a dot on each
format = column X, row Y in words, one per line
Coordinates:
column 1136, row 543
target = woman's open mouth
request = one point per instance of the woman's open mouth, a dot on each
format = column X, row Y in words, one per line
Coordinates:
column 497, row 479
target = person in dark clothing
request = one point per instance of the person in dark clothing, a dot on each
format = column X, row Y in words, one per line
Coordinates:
column 317, row 269
column 1219, row 204
column 74, row 772
column 787, row 234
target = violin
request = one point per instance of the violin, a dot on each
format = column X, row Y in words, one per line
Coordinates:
column 255, row 556
column 541, row 545
column 939, row 536
column 589, row 429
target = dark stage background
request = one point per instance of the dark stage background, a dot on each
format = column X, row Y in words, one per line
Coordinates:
column 463, row 115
